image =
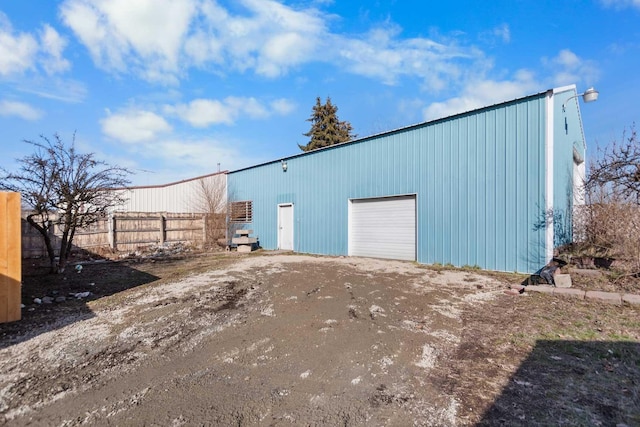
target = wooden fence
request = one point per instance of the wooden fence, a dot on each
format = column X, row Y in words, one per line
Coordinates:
column 10, row 262
column 126, row 232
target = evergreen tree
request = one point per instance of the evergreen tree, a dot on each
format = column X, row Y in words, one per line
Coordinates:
column 326, row 128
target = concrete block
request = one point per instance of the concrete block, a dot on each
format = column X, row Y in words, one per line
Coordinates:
column 546, row 289
column 244, row 232
column 631, row 299
column 573, row 293
column 562, row 280
column 244, row 248
column 244, row 240
column 608, row 297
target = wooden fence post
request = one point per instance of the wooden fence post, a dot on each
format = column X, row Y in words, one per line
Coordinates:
column 10, row 258
column 113, row 238
column 205, row 241
column 163, row 229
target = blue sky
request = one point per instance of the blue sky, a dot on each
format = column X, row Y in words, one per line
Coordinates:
column 170, row 89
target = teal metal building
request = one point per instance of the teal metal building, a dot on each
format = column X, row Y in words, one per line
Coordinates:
column 492, row 187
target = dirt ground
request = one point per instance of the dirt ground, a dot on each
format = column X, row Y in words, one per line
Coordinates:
column 281, row 339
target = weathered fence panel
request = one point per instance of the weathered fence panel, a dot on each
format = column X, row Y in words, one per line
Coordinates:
column 10, row 260
column 125, row 232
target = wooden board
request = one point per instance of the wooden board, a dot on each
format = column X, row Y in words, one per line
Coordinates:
column 10, row 258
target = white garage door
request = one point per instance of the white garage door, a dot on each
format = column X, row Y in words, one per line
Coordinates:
column 383, row 228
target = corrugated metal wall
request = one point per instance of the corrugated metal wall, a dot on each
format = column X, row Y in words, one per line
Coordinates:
column 478, row 179
column 179, row 197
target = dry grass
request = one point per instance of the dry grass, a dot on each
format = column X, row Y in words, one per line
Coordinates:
column 551, row 361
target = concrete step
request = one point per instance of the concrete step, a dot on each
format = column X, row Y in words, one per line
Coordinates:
column 244, row 240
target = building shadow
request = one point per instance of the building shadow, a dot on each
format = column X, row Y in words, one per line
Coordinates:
column 572, row 383
column 53, row 301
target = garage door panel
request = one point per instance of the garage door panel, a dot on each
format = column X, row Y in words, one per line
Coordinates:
column 383, row 228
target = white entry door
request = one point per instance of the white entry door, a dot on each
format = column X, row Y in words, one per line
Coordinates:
column 285, row 227
column 383, row 228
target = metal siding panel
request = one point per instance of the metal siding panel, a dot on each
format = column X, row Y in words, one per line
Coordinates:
column 500, row 217
column 510, row 238
column 472, row 147
column 462, row 196
column 438, row 191
column 428, row 217
column 457, row 186
column 536, row 253
column 179, row 197
column 491, row 190
column 482, row 191
column 446, row 231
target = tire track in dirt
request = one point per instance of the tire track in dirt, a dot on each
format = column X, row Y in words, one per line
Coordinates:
column 269, row 340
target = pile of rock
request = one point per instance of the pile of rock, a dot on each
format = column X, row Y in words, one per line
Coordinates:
column 59, row 298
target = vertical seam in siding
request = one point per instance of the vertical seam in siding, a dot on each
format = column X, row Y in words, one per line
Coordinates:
column 549, row 142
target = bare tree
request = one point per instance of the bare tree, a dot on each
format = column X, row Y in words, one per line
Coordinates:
column 211, row 195
column 616, row 172
column 211, row 200
column 609, row 224
column 66, row 189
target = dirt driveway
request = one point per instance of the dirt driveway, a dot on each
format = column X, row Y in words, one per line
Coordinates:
column 280, row 340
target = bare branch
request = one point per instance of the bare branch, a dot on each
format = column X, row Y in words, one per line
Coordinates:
column 58, row 182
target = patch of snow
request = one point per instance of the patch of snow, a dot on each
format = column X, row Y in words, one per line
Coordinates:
column 376, row 310
column 268, row 311
column 428, row 357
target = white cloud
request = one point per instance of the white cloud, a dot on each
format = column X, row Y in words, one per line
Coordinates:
column 146, row 35
column 159, row 42
column 269, row 37
column 503, row 33
column 283, row 106
column 565, row 68
column 206, row 112
column 159, row 39
column 202, row 155
column 621, row 4
column 481, row 93
column 180, row 156
column 65, row 90
column 22, row 52
column 19, row 109
column 384, row 55
column 52, row 44
column 134, row 125
column 569, row 68
column 17, row 51
column 203, row 112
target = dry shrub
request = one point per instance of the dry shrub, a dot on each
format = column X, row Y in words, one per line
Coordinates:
column 211, row 199
column 611, row 230
column 608, row 226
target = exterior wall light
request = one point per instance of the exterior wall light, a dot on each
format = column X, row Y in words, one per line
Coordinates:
column 284, row 165
column 588, row 95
